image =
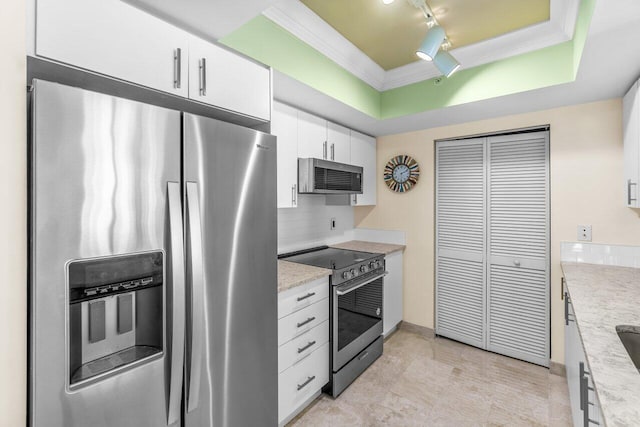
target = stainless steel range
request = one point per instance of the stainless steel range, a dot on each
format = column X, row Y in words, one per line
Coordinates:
column 356, row 309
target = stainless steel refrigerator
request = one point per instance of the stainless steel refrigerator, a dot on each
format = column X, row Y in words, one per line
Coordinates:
column 153, row 266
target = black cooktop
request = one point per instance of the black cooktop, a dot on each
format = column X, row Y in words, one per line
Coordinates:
column 331, row 258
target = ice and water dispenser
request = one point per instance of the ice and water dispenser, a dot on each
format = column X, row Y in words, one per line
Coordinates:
column 115, row 314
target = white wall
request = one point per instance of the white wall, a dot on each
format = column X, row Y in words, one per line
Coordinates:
column 13, row 214
column 587, row 187
column 308, row 224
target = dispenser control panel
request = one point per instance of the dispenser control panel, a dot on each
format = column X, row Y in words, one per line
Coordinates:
column 116, row 314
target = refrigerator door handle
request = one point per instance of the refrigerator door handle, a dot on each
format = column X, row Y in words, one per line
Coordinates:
column 177, row 302
column 196, row 282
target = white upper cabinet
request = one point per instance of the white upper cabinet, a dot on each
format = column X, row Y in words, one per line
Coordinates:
column 631, row 132
column 113, row 38
column 224, row 79
column 363, row 153
column 338, row 143
column 284, row 125
column 312, row 136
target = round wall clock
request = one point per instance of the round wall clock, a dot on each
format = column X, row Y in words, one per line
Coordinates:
column 401, row 173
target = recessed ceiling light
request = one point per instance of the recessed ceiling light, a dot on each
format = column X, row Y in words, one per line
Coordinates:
column 387, row 1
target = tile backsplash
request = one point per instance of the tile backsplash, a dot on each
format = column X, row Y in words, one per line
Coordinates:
column 308, row 225
column 594, row 253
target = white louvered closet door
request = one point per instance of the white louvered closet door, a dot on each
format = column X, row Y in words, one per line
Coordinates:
column 518, row 246
column 460, row 240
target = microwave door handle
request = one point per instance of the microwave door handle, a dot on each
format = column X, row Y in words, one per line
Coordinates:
column 345, row 290
column 196, row 281
column 176, row 302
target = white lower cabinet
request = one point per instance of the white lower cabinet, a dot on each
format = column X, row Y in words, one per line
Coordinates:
column 303, row 340
column 300, row 382
column 299, row 348
column 585, row 408
column 301, row 297
column 392, row 293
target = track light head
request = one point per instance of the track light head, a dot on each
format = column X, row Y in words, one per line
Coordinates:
column 431, row 43
column 446, row 63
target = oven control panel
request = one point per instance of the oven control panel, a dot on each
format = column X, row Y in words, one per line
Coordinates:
column 370, row 267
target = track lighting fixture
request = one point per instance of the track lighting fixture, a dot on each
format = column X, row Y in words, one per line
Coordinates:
column 446, row 63
column 431, row 43
column 435, row 44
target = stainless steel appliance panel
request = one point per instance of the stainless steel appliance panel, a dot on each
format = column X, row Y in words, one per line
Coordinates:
column 234, row 172
column 341, row 379
column 356, row 313
column 100, row 168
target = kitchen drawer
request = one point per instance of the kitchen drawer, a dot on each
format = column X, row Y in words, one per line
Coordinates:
column 299, row 383
column 302, row 321
column 302, row 346
column 303, row 296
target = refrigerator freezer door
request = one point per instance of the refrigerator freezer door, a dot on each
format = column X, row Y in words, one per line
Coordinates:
column 235, row 172
column 100, row 168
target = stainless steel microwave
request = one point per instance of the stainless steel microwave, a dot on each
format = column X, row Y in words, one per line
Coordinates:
column 317, row 176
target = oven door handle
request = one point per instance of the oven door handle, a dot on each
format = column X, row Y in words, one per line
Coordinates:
column 343, row 291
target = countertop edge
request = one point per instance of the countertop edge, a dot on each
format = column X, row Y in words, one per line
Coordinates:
column 371, row 247
column 613, row 402
column 303, row 274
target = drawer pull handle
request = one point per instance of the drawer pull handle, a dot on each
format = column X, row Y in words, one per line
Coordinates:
column 304, row 384
column 363, row 355
column 309, row 320
column 309, row 295
column 311, row 343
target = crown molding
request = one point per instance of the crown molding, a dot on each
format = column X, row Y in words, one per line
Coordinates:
column 303, row 23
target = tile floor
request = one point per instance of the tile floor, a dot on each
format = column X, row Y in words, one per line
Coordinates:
column 422, row 381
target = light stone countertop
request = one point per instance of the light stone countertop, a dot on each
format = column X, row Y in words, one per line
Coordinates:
column 372, row 247
column 291, row 274
column 604, row 296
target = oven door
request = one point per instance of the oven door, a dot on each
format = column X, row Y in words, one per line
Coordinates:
column 357, row 317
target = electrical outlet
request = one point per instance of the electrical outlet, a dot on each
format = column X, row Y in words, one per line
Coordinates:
column 584, row 233
column 332, row 226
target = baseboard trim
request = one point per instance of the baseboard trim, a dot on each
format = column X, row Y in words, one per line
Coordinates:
column 416, row 329
column 557, row 369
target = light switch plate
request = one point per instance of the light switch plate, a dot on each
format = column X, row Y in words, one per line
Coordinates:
column 584, row 233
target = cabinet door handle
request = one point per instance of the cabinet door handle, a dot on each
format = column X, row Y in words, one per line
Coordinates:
column 562, row 286
column 304, row 384
column 203, row 77
column 309, row 320
column 566, row 309
column 355, row 199
column 294, row 195
column 177, row 68
column 311, row 344
column 324, row 150
column 629, row 198
column 333, row 151
column 309, row 295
